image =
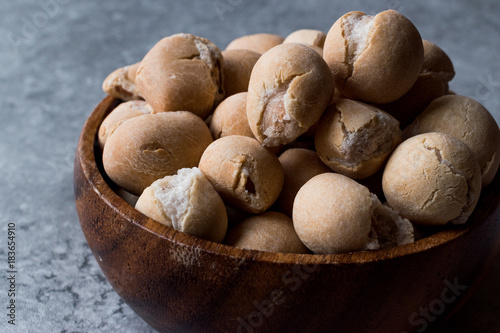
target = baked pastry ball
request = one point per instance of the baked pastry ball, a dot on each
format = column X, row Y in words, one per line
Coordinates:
column 299, row 165
column 307, row 36
column 467, row 120
column 289, row 89
column 355, row 139
column 121, row 83
column 230, row 117
column 432, row 179
column 259, row 43
column 269, row 231
column 182, row 73
column 432, row 83
column 186, row 202
column 246, row 175
column 120, row 114
column 334, row 214
column 238, row 65
column 146, row 148
column 375, row 59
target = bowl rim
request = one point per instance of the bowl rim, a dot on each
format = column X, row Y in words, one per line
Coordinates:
column 86, row 152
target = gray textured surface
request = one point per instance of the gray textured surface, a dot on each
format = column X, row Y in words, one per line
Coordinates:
column 50, row 80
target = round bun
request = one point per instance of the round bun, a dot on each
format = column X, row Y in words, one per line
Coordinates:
column 375, row 59
column 269, row 231
column 188, row 203
column 230, row 117
column 467, row 120
column 289, row 89
column 246, row 175
column 121, row 83
column 259, row 43
column 146, row 148
column 307, row 36
column 299, row 165
column 432, row 179
column 182, row 73
column 238, row 65
column 119, row 115
column 334, row 214
column 432, row 83
column 355, row 139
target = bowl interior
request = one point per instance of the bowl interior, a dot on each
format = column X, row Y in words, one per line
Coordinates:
column 92, row 168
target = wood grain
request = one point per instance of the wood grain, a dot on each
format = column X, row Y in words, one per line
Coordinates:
column 179, row 283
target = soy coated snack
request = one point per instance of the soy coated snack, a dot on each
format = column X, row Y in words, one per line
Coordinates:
column 246, row 175
column 432, row 179
column 289, row 89
column 152, row 146
column 182, row 72
column 355, row 139
column 375, row 59
column 186, row 202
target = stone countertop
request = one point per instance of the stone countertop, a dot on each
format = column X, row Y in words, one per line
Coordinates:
column 54, row 55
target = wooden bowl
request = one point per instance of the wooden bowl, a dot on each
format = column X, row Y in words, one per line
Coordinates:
column 179, row 283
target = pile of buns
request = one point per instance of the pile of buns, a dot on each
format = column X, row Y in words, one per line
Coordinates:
column 293, row 144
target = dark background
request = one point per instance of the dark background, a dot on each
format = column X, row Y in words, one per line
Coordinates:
column 54, row 55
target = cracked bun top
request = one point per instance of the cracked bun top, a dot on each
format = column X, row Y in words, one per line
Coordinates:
column 432, row 179
column 355, row 138
column 467, row 120
column 245, row 174
column 182, row 72
column 375, row 59
column 152, row 146
column 289, row 89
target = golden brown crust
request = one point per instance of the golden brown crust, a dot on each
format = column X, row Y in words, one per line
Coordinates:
column 355, row 139
column 238, row 65
column 246, row 175
column 259, row 43
column 269, row 231
column 182, row 72
column 118, row 116
column 432, row 179
column 230, row 117
column 152, row 146
column 289, row 89
column 299, row 165
column 309, row 37
column 378, row 64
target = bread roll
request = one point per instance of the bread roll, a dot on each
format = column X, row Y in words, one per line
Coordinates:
column 289, row 89
column 238, row 65
column 269, row 231
column 375, row 59
column 152, row 146
column 355, row 139
column 230, row 117
column 260, row 43
column 467, row 120
column 246, row 175
column 121, row 83
column 182, row 72
column 186, row 202
column 308, row 37
column 432, row 179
